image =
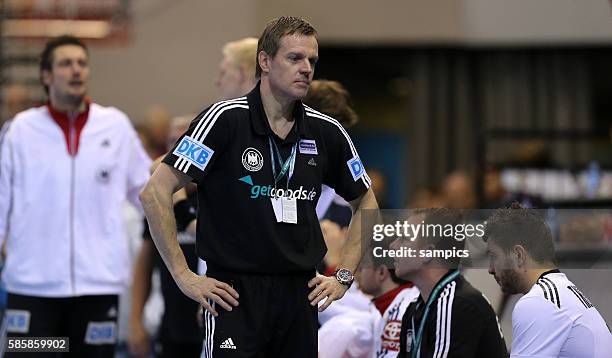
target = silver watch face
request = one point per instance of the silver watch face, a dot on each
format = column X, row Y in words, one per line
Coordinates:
column 344, row 276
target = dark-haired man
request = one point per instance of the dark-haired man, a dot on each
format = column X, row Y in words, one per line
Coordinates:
column 450, row 318
column 259, row 162
column 553, row 318
column 66, row 170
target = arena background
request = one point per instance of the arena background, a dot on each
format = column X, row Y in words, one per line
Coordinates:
column 440, row 86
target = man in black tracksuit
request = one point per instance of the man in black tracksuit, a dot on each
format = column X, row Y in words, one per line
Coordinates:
column 465, row 327
column 450, row 318
column 259, row 162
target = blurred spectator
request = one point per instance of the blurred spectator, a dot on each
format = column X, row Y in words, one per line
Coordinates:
column 379, row 185
column 66, row 170
column 459, row 192
column 179, row 334
column 427, row 197
column 237, row 68
column 153, row 131
column 332, row 99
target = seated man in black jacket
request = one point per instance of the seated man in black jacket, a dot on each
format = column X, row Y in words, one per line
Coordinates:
column 450, row 318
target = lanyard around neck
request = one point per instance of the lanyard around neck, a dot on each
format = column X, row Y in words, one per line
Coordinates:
column 287, row 166
column 416, row 340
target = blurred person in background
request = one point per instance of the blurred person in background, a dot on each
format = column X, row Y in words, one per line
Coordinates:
column 179, row 334
column 260, row 291
column 379, row 185
column 450, row 318
column 392, row 295
column 153, row 131
column 553, row 318
column 427, row 197
column 236, row 75
column 458, row 190
column 66, row 169
column 333, row 99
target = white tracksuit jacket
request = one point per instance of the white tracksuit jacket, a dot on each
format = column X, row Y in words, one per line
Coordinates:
column 61, row 214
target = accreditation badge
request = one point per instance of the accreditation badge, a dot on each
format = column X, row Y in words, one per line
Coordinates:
column 277, row 206
column 289, row 210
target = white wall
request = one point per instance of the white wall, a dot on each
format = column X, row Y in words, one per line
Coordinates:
column 538, row 21
column 366, row 21
column 174, row 52
column 175, row 47
column 173, row 55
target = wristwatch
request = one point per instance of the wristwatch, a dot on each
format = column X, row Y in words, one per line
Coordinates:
column 344, row 276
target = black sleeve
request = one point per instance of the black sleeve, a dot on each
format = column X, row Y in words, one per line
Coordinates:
column 195, row 151
column 406, row 331
column 184, row 213
column 345, row 172
column 468, row 334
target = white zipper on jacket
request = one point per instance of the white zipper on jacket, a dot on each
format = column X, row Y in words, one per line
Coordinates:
column 72, row 150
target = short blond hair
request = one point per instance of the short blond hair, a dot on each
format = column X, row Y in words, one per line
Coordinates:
column 242, row 52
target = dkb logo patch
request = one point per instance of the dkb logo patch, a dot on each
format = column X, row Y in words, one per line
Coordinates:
column 196, row 153
column 356, row 167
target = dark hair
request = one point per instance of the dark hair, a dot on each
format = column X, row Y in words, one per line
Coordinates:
column 46, row 57
column 331, row 98
column 516, row 225
column 270, row 39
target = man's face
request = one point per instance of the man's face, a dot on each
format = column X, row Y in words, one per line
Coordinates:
column 230, row 78
column 406, row 267
column 292, row 69
column 69, row 73
column 503, row 268
column 367, row 276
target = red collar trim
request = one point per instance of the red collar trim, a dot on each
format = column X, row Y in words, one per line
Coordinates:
column 63, row 121
column 383, row 301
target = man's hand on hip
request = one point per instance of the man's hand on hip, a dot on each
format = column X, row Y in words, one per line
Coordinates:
column 201, row 288
column 325, row 287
